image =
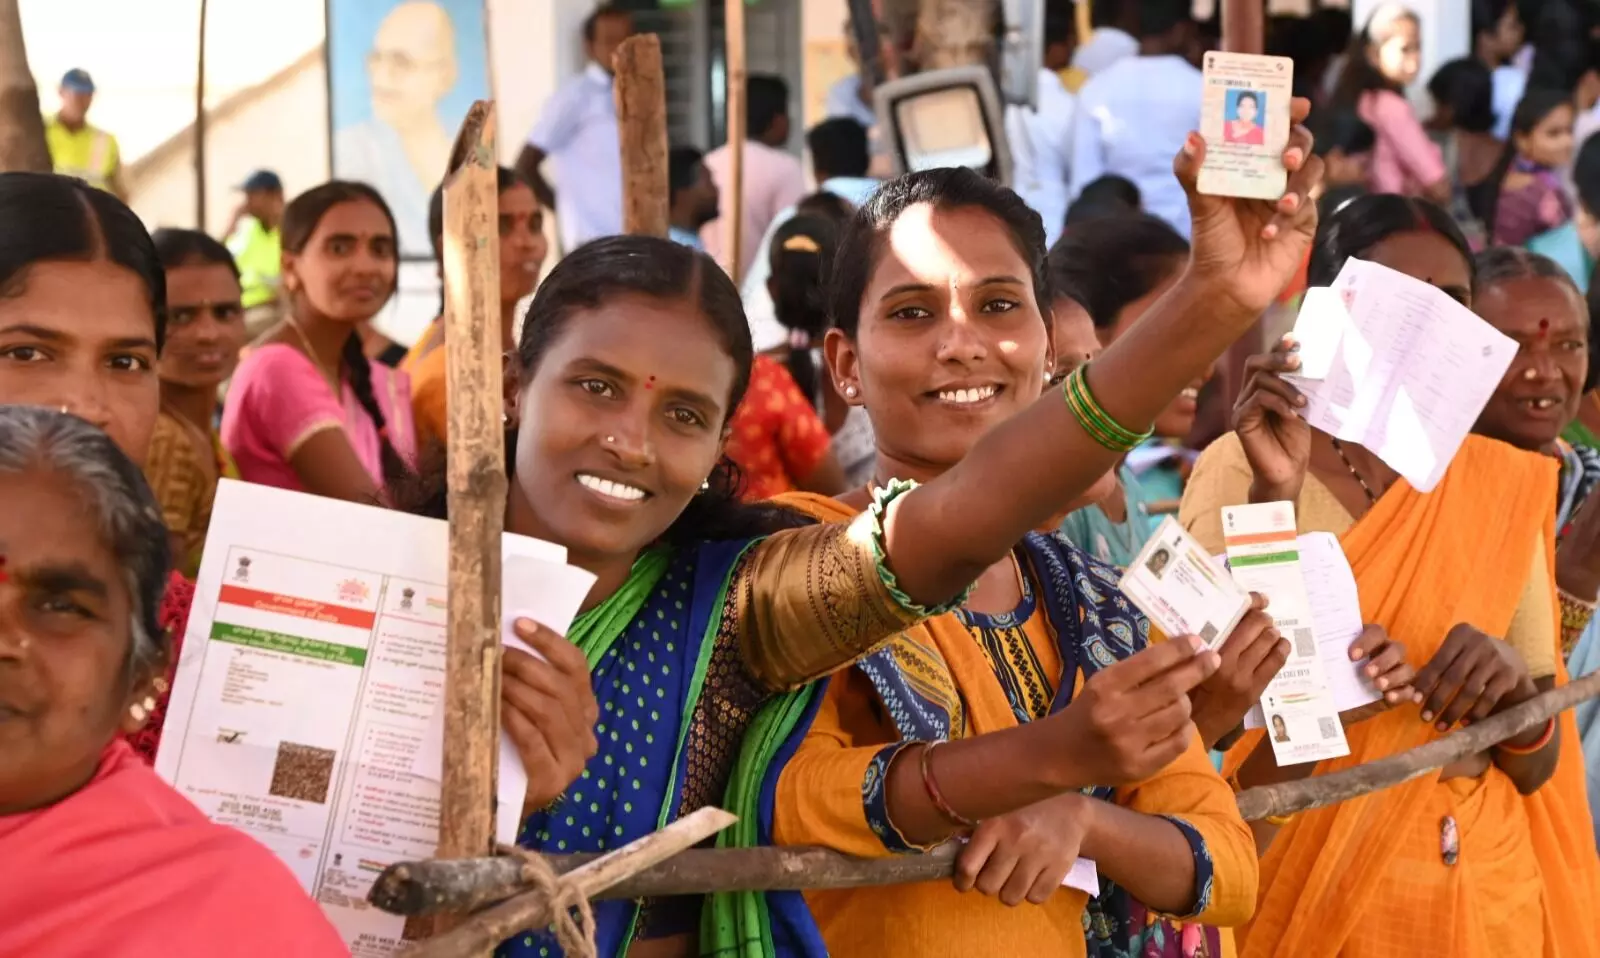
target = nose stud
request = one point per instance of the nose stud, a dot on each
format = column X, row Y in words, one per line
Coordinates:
column 611, row 440
column 1530, row 373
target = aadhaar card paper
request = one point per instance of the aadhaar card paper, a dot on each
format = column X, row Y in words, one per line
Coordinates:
column 1181, row 589
column 1244, row 117
column 1263, row 556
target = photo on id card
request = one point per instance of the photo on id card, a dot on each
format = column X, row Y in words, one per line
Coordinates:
column 1244, row 117
column 1181, row 589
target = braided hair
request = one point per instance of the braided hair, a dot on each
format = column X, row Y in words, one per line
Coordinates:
column 300, row 220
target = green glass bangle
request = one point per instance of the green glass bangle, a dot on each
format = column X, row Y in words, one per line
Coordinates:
column 1103, row 429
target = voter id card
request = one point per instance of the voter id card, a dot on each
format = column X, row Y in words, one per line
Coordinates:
column 1182, row 590
column 1244, row 118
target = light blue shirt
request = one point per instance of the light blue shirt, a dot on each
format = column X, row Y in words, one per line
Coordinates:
column 844, row 100
column 1105, row 46
column 765, row 330
column 1132, row 119
column 1041, row 152
column 686, row 237
column 1563, row 245
column 578, row 131
column 1507, row 86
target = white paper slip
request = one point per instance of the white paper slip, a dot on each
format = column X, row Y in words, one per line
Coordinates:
column 1318, row 329
column 1084, row 876
column 1181, row 589
column 1244, row 117
column 311, row 669
column 1412, row 371
column 1264, row 557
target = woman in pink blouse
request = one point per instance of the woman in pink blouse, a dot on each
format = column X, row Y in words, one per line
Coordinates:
column 1383, row 58
column 1525, row 195
column 308, row 410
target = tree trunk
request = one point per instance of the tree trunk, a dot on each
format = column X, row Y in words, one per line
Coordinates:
column 22, row 145
column 953, row 33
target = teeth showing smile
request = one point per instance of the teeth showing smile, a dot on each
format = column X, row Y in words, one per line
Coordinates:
column 614, row 490
column 1190, row 394
column 1544, row 402
column 963, row 396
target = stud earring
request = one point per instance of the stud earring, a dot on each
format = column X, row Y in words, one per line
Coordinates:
column 141, row 710
column 705, row 485
column 849, row 392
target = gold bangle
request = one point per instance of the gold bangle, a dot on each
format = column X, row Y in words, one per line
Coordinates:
column 1278, row 821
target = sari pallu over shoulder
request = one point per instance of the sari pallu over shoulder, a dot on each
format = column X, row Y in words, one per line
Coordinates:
column 1331, row 883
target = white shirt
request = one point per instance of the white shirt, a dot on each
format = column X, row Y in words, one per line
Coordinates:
column 578, row 131
column 1507, row 86
column 1132, row 120
column 1041, row 151
column 773, row 180
column 1106, row 45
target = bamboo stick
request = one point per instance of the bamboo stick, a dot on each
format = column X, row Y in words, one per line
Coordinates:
column 477, row 490
column 733, row 196
column 419, row 888
column 481, row 933
column 641, row 98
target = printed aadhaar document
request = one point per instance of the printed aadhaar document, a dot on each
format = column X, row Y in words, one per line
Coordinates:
column 1181, row 589
column 1244, row 118
column 1298, row 705
column 312, row 667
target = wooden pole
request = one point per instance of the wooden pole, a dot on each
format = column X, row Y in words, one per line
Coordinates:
column 22, row 143
column 1083, row 19
column 200, row 126
column 477, row 490
column 733, row 196
column 641, row 97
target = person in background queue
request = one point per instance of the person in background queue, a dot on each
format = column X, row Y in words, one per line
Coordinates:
column 78, row 148
column 522, row 253
column 1524, row 196
column 692, row 196
column 106, row 858
column 82, row 325
column 577, row 132
column 634, row 354
column 257, row 248
column 1497, row 37
column 839, row 164
column 1483, row 851
column 773, row 179
column 1041, row 136
column 942, row 338
column 307, row 410
column 1576, row 244
column 205, row 331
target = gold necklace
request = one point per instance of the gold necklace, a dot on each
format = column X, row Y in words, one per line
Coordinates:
column 332, row 378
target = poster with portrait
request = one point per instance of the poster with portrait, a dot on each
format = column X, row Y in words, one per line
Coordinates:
column 401, row 76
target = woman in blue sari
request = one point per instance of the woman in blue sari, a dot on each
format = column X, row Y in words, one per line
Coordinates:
column 709, row 619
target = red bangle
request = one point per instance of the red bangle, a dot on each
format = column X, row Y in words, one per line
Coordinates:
column 1543, row 740
column 937, row 797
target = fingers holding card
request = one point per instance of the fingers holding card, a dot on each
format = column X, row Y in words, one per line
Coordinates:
column 1244, row 117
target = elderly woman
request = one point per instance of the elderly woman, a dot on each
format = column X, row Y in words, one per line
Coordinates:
column 116, row 862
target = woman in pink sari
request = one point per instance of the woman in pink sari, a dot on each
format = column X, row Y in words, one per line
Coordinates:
column 308, row 410
column 102, row 857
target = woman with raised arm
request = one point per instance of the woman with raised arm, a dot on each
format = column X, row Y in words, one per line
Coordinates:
column 83, row 319
column 101, row 856
column 1482, row 853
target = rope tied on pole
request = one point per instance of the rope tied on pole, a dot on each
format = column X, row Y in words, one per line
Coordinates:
column 571, row 915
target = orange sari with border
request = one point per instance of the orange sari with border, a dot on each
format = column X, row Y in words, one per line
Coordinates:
column 1366, row 878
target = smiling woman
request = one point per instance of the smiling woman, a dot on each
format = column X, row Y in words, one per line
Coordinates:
column 116, row 861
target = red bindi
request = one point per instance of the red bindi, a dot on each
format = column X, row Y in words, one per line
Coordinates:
column 1544, row 326
column 3, row 576
column 650, row 383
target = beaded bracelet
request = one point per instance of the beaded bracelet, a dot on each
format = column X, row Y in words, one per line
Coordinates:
column 1538, row 745
column 1094, row 419
column 936, row 796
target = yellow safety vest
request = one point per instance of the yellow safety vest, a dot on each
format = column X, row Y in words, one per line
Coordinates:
column 88, row 153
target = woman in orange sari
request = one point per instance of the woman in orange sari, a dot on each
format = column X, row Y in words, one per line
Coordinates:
column 1485, row 858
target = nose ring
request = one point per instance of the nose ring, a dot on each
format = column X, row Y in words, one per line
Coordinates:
column 1530, row 373
column 611, row 440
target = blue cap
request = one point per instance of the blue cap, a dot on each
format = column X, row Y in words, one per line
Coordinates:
column 262, row 181
column 78, row 81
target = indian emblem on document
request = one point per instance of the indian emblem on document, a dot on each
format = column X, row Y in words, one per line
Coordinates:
column 242, row 573
column 406, row 596
column 354, row 590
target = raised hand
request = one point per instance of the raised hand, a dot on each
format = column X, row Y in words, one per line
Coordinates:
column 1251, row 657
column 1025, row 855
column 1251, row 248
column 1133, row 719
column 1267, row 417
column 549, row 710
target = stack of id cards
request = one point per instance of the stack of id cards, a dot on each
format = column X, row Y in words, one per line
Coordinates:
column 1244, row 117
column 1182, row 590
column 1298, row 707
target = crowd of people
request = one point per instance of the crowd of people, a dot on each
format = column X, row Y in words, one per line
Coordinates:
column 859, row 522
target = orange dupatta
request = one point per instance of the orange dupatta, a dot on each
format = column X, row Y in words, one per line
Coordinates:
column 1323, row 879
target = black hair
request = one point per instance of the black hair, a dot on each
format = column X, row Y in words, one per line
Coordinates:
column 1364, row 222
column 1359, row 75
column 1342, row 130
column 1335, row 198
column 1105, row 195
column 801, row 257
column 660, row 269
column 1334, row 25
column 830, row 206
column 1486, row 15
column 1586, row 175
column 1499, row 264
column 1559, row 34
column 300, row 219
column 766, row 99
column 1107, row 263
column 1112, row 13
column 1059, row 23
column 1157, row 18
column 838, row 148
column 683, row 169
column 1250, row 95
column 176, row 248
column 1466, row 87
column 504, row 179
column 1535, row 106
column 53, row 218
column 945, row 188
column 600, row 13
